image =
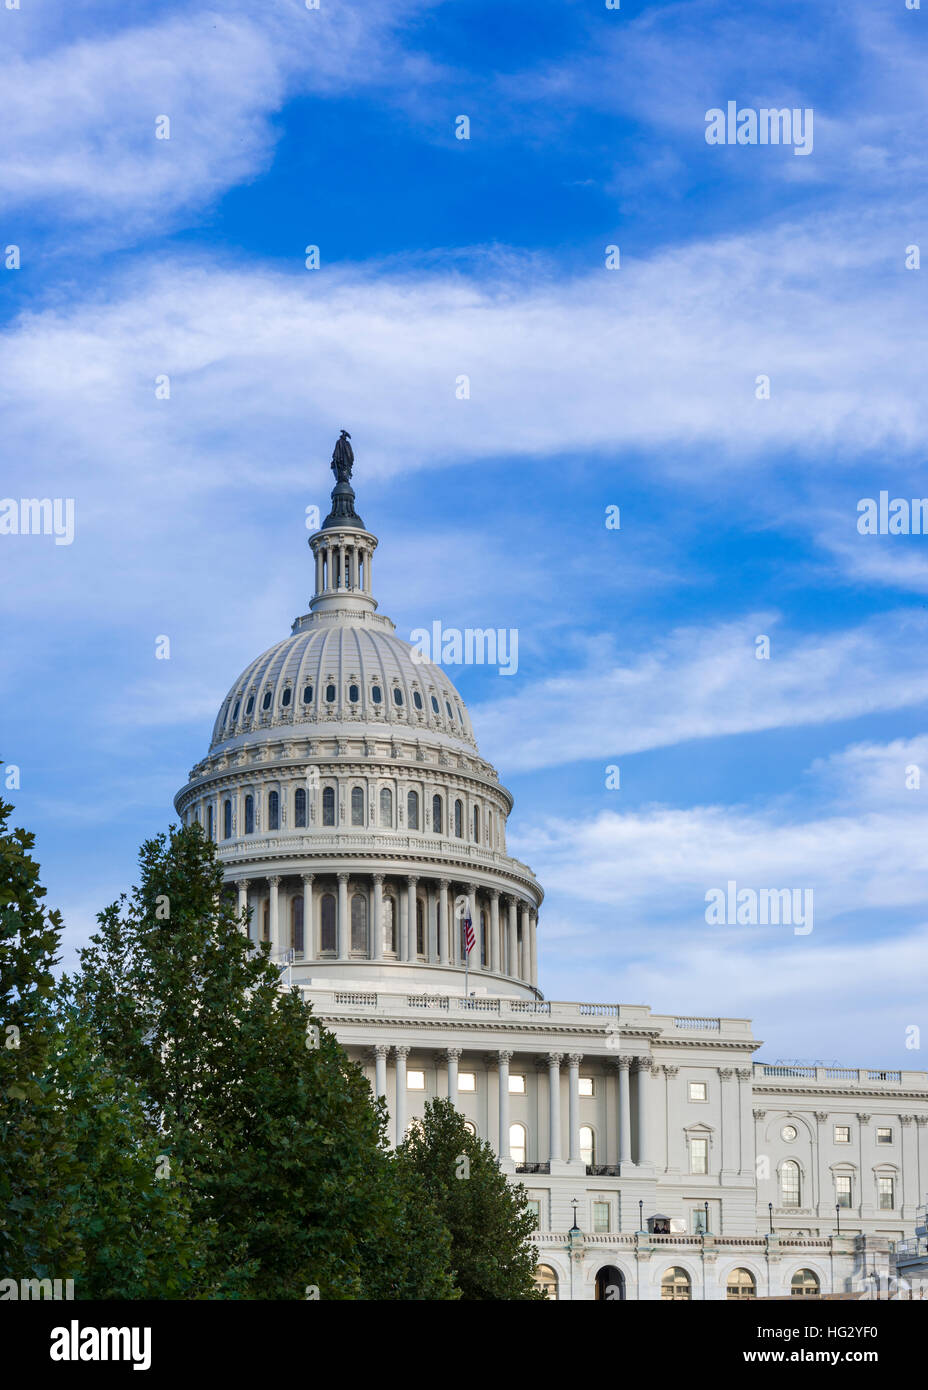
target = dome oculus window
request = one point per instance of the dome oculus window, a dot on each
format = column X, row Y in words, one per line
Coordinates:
column 789, row 1133
column 307, row 694
column 397, row 695
column 354, row 694
column 286, row 697
column 266, row 702
column 376, row 694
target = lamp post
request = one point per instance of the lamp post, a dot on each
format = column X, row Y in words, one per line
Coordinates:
column 770, row 1214
column 575, row 1229
column 641, row 1216
column 838, row 1216
column 706, row 1231
column 575, row 1247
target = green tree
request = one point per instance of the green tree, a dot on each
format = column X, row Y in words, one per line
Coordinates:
column 488, row 1217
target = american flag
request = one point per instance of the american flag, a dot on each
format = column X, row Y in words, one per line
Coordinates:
column 470, row 940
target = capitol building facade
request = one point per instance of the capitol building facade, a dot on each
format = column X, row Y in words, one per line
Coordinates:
column 359, row 826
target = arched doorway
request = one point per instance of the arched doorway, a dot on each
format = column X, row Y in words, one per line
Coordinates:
column 610, row 1283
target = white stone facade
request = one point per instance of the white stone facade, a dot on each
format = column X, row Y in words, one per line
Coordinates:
column 358, row 824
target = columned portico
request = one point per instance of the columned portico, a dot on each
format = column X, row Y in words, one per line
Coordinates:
column 623, row 1065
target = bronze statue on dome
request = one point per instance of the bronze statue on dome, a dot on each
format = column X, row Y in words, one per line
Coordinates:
column 342, row 457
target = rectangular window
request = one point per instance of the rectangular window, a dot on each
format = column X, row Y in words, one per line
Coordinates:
column 534, row 1206
column 842, row 1134
column 699, row 1090
column 887, row 1196
column 467, row 1081
column 699, row 1155
column 884, row 1136
column 415, row 1081
column 586, row 1085
column 601, row 1216
column 843, row 1191
column 517, row 1085
column 698, row 1215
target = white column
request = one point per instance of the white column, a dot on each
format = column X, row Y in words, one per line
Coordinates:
column 554, row 1106
column 380, row 1069
column 573, row 1106
column 533, row 941
column 242, row 886
column 377, row 953
column 342, row 925
column 494, row 931
column 319, row 570
column 644, row 1077
column 513, row 940
column 625, row 1113
column 309, row 928
column 452, row 1056
column 274, row 925
column 504, row 1060
column 444, row 933
column 729, row 1113
column 399, row 1118
column 410, row 947
column 524, row 954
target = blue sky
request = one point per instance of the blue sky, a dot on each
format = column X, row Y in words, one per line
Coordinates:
column 589, row 388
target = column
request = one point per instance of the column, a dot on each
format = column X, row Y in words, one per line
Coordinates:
column 625, row 1114
column 921, row 1123
column 411, row 919
column 377, row 953
column 319, row 570
column 380, row 1069
column 644, row 1076
column 444, row 934
column 533, row 943
column 729, row 1120
column 342, row 923
column 309, row 926
column 242, row 886
column 513, row 940
column 504, row 1059
column 494, row 931
column 399, row 1119
column 823, row 1202
column 554, row 1106
column 573, row 1106
column 273, row 924
column 866, row 1197
column 670, row 1124
column 525, row 953
column 452, row 1056
column 746, row 1151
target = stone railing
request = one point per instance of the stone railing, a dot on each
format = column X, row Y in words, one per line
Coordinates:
column 853, row 1076
column 386, row 844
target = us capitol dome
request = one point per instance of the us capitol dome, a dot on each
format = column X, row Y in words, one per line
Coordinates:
column 349, row 802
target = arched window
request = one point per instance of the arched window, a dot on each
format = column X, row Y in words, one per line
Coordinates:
column 389, row 927
column 328, row 939
column 209, row 822
column 804, row 1284
column 517, row 1143
column 459, row 819
column 417, row 699
column 412, row 811
column 789, row 1184
column 299, row 808
column 249, row 815
column 328, row 806
column 273, row 811
column 436, row 814
column 435, row 705
column 490, row 828
column 307, row 694
column 675, row 1285
column 587, row 1145
column 546, row 1281
column 420, row 927
column 740, row 1284
column 484, row 928
column 376, row 694
column 386, row 807
column 296, row 925
column 330, row 693
column 476, row 825
column 235, row 711
column 266, row 702
column 357, row 805
column 354, row 693
column 286, row 697
column 227, row 820
column 250, row 704
column 610, row 1284
column 359, row 922
column 397, row 695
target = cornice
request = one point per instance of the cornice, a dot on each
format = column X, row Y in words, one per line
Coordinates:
column 844, row 1092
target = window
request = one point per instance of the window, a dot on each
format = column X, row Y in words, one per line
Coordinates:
column 740, row 1284
column 546, row 1281
column 273, row 811
column 804, row 1284
column 397, row 695
column 415, row 1081
column 789, row 1133
column 435, row 705
column 484, row 930
column 789, row 1184
column 266, row 923
column 299, row 808
column 517, row 1143
column 534, row 1206
column 328, row 940
column 884, row 1136
column 436, row 814
column 227, row 820
column 386, row 807
column 459, row 819
column 420, row 927
column 675, row 1286
column 843, row 1190
column 699, row 1090
column 209, row 822
column 586, row 1086
column 886, row 1194
column 601, row 1216
column 389, row 927
column 354, row 694
column 448, row 708
column 842, row 1134
column 359, row 922
column 412, row 811
column 235, row 711
column 250, row 705
column 467, row 1081
column 587, row 1145
column 698, row 1221
column 330, row 694
column 249, row 815
column 357, row 805
column 307, row 694
column 476, row 825
column 376, row 694
column 516, row 1085
column 266, row 702
column 296, row 925
column 328, row 806
column 417, row 699
column 286, row 697
column 699, row 1155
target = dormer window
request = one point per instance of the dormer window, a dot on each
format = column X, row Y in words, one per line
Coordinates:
column 397, row 695
column 286, row 697
column 448, row 708
column 435, row 705
column 251, row 704
column 266, row 702
column 376, row 694
column 417, row 699
column 307, row 694
column 354, row 694
column 330, row 694
column 235, row 711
